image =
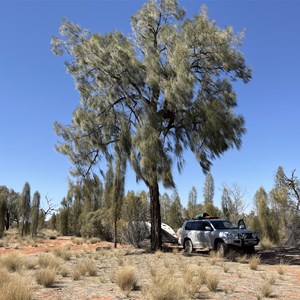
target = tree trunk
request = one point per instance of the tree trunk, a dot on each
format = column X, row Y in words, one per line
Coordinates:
column 115, row 231
column 156, row 241
column 7, row 220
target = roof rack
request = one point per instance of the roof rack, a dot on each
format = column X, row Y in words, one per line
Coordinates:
column 202, row 216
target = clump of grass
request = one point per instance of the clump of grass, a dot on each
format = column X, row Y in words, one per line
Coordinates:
column 165, row 287
column 214, row 257
column 265, row 289
column 86, row 267
column 12, row 261
column 126, row 279
column 76, row 274
column 212, row 282
column 45, row 277
column 225, row 267
column 281, row 269
column 265, row 243
column 271, row 279
column 254, row 261
column 63, row 271
column 159, row 254
column 91, row 269
column 49, row 261
column 232, row 255
column 30, row 263
column 78, row 241
column 242, row 259
column 63, row 253
column 192, row 280
column 95, row 240
column 14, row 287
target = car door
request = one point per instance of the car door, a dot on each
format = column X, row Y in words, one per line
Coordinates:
column 204, row 235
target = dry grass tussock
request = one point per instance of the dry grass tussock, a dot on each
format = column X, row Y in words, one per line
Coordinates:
column 165, row 287
column 266, row 244
column 265, row 289
column 64, row 252
column 49, row 261
column 13, row 286
column 254, row 261
column 126, row 279
column 12, row 261
column 45, row 277
column 88, row 267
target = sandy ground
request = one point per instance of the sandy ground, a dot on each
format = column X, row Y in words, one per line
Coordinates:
column 240, row 282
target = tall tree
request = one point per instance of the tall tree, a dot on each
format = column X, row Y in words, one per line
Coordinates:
column 226, row 203
column 4, row 192
column 192, row 207
column 35, row 211
column 118, row 188
column 24, row 208
column 165, row 202
column 175, row 212
column 209, row 189
column 163, row 90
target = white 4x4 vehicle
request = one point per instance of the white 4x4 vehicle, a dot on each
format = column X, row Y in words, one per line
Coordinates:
column 217, row 234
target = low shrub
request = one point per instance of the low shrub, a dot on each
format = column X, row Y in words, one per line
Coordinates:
column 14, row 287
column 254, row 261
column 49, row 261
column 45, row 277
column 12, row 261
column 126, row 278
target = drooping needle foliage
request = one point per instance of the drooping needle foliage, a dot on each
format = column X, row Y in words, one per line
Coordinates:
column 153, row 94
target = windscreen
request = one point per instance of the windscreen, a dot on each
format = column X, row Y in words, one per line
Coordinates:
column 223, row 225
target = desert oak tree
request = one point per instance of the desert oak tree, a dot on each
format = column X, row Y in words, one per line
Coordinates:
column 163, row 89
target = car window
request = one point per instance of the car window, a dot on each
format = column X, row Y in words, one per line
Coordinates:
column 199, row 226
column 223, row 225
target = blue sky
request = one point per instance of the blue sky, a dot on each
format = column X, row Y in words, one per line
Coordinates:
column 36, row 91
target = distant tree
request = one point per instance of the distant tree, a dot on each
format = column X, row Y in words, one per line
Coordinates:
column 24, row 208
column 192, row 206
column 64, row 215
column 53, row 222
column 232, row 202
column 175, row 218
column 12, row 213
column 293, row 184
column 4, row 192
column 226, row 203
column 163, row 90
column 261, row 201
column 34, row 214
column 135, row 214
column 165, row 203
column 209, row 189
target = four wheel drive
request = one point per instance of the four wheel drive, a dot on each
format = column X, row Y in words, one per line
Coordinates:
column 216, row 234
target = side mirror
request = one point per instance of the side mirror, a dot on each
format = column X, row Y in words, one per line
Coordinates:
column 241, row 224
column 208, row 228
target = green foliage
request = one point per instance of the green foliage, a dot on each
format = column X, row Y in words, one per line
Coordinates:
column 209, row 189
column 34, row 214
column 175, row 215
column 24, row 209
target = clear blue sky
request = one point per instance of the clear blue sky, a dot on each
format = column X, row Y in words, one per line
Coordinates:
column 36, row 91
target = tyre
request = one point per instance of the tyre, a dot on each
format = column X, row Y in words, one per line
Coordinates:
column 188, row 246
column 222, row 248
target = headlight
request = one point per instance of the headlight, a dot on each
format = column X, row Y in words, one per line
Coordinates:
column 230, row 235
column 255, row 235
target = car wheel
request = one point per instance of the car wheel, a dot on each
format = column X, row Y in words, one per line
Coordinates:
column 222, row 248
column 188, row 246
